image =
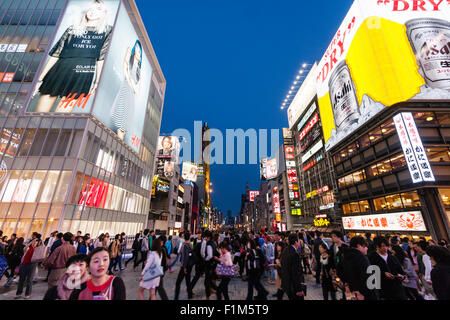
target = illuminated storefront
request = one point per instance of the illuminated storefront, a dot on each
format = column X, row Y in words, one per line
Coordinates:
column 71, row 170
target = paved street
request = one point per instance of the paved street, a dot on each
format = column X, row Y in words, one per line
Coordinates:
column 237, row 287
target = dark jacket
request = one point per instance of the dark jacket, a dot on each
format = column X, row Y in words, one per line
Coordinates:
column 335, row 261
column 186, row 253
column 355, row 266
column 440, row 276
column 390, row 289
column 291, row 271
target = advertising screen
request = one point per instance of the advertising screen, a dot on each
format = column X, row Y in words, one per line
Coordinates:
column 401, row 221
column 262, row 168
column 271, row 168
column 96, row 67
column 167, row 156
column 190, row 171
column 252, row 195
column 385, row 52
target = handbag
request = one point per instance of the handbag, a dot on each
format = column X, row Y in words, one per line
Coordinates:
column 226, row 271
column 38, row 254
column 154, row 271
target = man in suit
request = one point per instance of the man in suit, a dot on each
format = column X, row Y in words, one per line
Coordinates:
column 292, row 279
column 392, row 274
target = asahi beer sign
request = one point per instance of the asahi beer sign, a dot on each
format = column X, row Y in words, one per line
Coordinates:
column 415, row 154
column 385, row 52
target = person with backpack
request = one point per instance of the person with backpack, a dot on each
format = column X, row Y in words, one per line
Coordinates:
column 135, row 249
column 199, row 261
column 210, row 265
column 186, row 268
column 255, row 266
column 144, row 248
column 177, row 250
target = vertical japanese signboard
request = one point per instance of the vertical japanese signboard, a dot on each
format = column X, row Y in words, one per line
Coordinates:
column 276, row 205
column 415, row 154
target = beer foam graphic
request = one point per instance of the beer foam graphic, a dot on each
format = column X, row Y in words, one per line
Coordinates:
column 427, row 93
column 368, row 109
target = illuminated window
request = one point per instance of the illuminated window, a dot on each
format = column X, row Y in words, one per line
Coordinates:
column 394, row 202
column 411, row 199
column 445, row 196
column 425, row 118
column 364, row 206
column 398, row 161
column 379, row 204
column 354, row 207
column 438, row 154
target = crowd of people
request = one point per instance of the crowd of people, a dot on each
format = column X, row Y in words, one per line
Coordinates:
column 357, row 268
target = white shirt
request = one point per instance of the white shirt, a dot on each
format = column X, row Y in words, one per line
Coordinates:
column 385, row 257
column 428, row 266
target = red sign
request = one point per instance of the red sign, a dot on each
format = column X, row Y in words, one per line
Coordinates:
column 253, row 195
column 276, row 205
column 6, row 77
column 289, row 152
column 309, row 126
column 96, row 195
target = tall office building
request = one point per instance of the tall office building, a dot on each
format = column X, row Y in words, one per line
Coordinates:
column 80, row 113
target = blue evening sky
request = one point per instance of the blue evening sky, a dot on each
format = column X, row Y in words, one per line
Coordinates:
column 231, row 63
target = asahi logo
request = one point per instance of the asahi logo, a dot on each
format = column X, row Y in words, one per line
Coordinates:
column 344, row 91
column 433, row 50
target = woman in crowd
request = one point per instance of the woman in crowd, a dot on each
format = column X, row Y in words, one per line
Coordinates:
column 440, row 275
column 135, row 248
column 277, row 265
column 153, row 260
column 14, row 258
column 304, row 254
column 410, row 284
column 26, row 269
column 101, row 286
column 76, row 275
column 100, row 240
column 85, row 246
column 325, row 265
column 114, row 249
column 225, row 259
column 255, row 265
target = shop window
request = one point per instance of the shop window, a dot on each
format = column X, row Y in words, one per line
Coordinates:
column 63, row 186
column 38, row 142
column 438, row 154
column 364, row 206
column 354, row 207
column 398, row 161
column 394, row 202
column 422, row 118
column 22, row 227
column 443, row 118
column 359, row 176
column 372, row 171
column 76, row 144
column 9, row 141
column 26, row 142
column 379, row 204
column 9, row 186
column 63, row 142
column 445, row 196
column 364, row 141
column 49, row 186
column 50, row 142
column 387, row 128
column 35, row 186
column 411, row 199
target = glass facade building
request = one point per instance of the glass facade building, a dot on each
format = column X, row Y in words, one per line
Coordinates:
column 66, row 171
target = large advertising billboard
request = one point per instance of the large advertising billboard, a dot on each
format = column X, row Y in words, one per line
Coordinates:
column 167, row 156
column 190, row 170
column 401, row 221
column 271, row 168
column 95, row 61
column 385, row 52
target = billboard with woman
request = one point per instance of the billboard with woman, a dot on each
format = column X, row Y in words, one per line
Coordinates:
column 97, row 65
column 70, row 76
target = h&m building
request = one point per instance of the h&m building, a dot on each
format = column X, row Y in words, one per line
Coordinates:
column 81, row 97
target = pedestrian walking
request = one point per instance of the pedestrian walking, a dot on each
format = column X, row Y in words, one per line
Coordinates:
column 26, row 269
column 325, row 274
column 144, row 248
column 153, row 263
column 58, row 259
column 135, row 249
column 165, row 261
column 186, row 268
column 14, row 258
column 255, row 266
column 293, row 282
column 226, row 261
column 199, row 260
